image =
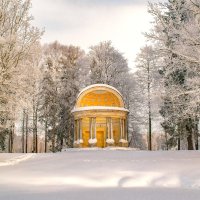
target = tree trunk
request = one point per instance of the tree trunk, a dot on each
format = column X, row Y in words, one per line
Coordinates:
column 190, row 142
column 166, row 141
column 26, row 142
column 197, row 144
column 179, row 143
column 150, row 145
column 53, row 142
column 33, row 149
column 149, row 111
column 11, row 138
column 23, row 131
column 189, row 129
column 36, row 133
column 10, row 141
column 45, row 136
column 35, row 129
column 196, row 133
column 61, row 144
column 53, row 138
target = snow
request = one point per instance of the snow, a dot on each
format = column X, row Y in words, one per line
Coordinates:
column 96, row 174
column 12, row 159
column 78, row 141
column 92, row 141
column 99, row 108
column 110, row 141
column 98, row 85
column 123, row 141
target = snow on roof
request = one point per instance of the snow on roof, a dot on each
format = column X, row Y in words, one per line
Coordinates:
column 99, row 85
column 99, row 108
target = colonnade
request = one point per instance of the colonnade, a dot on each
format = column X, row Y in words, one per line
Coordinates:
column 78, row 131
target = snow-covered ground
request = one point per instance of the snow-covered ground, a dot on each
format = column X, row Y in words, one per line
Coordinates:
column 13, row 159
column 101, row 174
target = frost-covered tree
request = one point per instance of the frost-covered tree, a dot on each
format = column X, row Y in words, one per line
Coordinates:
column 69, row 88
column 28, row 101
column 49, row 94
column 48, row 107
column 28, row 106
column 17, row 35
column 147, row 78
column 59, row 89
column 108, row 66
column 170, row 22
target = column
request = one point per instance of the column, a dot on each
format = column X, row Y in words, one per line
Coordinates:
column 123, row 139
column 110, row 139
column 74, row 131
column 120, row 123
column 107, row 129
column 78, row 129
column 95, row 134
column 123, row 129
column 92, row 141
column 81, row 126
column 111, row 128
column 90, row 124
column 126, row 129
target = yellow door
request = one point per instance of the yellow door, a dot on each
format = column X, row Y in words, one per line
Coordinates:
column 86, row 136
column 100, row 139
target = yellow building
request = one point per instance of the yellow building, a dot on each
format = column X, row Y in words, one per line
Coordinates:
column 100, row 117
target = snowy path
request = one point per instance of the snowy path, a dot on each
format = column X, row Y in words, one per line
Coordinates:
column 101, row 174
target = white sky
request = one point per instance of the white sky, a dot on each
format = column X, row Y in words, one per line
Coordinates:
column 87, row 22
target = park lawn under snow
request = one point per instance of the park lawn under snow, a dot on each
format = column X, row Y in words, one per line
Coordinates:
column 101, row 174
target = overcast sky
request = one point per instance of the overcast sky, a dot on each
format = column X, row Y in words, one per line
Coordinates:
column 87, row 22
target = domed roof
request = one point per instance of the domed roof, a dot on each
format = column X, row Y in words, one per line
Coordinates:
column 99, row 97
column 98, row 85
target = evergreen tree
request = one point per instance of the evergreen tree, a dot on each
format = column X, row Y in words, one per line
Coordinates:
column 48, row 107
column 68, row 91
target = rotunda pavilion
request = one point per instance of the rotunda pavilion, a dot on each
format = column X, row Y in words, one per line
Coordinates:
column 100, row 118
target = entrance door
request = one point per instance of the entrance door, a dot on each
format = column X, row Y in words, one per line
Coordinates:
column 86, row 136
column 100, row 139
